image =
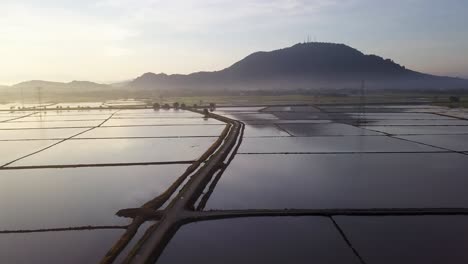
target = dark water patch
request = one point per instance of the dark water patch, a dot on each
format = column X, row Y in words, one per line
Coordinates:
column 421, row 130
column 333, row 129
column 408, row 239
column 409, row 122
column 452, row 142
column 57, row 247
column 343, row 181
column 350, row 144
column 271, row 130
column 46, row 198
column 259, row 240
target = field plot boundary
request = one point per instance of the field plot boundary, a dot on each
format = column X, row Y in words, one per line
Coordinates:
column 155, row 239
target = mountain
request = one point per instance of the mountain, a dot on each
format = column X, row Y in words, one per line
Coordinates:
column 58, row 91
column 304, row 65
column 46, row 85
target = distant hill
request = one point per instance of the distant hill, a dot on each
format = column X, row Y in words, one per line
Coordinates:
column 57, row 91
column 46, row 85
column 305, row 65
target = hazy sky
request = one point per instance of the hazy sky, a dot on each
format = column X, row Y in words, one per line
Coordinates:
column 112, row 40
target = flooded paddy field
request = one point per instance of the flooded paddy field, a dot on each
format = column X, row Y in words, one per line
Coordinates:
column 85, row 246
column 408, row 239
column 61, row 197
column 300, row 184
column 391, row 178
column 259, row 240
column 65, row 174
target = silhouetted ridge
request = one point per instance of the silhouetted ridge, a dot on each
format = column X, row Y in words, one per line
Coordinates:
column 313, row 59
column 304, row 65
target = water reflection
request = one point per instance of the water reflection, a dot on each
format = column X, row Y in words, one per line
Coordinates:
column 452, row 142
column 330, row 145
column 333, row 129
column 51, row 198
column 264, row 131
column 421, row 130
column 343, row 181
column 12, row 150
column 57, row 247
column 161, row 121
column 408, row 239
column 259, row 240
column 155, row 131
column 25, row 134
column 49, row 124
column 99, row 151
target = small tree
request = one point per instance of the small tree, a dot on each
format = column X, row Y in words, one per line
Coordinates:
column 156, row 106
column 454, row 99
column 183, row 106
column 206, row 112
column 195, row 106
column 212, row 107
column 166, row 106
column 175, row 105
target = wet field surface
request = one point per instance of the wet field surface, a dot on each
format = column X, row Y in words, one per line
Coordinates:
column 64, row 175
column 345, row 184
column 57, row 247
column 51, row 197
column 408, row 239
column 376, row 158
column 259, row 240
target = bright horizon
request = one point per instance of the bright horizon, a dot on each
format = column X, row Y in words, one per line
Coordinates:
column 115, row 40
